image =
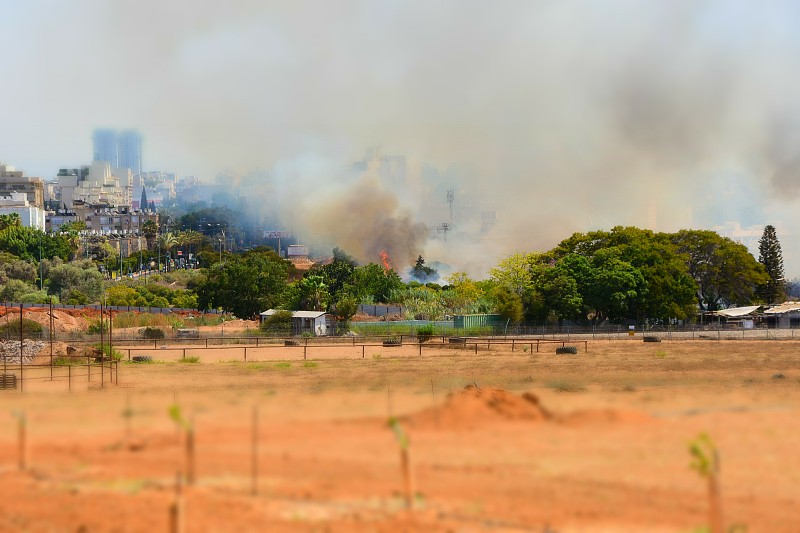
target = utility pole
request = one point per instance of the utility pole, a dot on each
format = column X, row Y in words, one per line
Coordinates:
column 41, row 281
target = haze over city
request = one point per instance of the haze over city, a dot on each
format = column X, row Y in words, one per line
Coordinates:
column 559, row 116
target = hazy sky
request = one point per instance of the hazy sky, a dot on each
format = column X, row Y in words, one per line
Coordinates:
column 567, row 115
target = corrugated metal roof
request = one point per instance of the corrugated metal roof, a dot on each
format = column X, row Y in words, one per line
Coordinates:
column 785, row 307
column 737, row 311
column 296, row 314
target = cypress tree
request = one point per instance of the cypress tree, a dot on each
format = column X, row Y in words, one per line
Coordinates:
column 770, row 255
column 143, row 202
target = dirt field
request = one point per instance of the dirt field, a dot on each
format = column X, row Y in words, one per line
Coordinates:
column 606, row 449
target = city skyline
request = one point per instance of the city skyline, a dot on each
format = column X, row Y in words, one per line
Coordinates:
column 563, row 116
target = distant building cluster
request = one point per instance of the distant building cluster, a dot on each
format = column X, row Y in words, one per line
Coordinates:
column 112, row 195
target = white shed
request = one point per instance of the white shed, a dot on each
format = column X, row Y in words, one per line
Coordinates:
column 314, row 322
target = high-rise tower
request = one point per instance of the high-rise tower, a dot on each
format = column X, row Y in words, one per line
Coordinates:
column 129, row 144
column 120, row 150
column 105, row 146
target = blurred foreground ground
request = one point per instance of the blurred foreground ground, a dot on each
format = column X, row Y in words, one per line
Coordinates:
column 612, row 457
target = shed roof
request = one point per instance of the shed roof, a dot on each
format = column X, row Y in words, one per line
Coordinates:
column 296, row 314
column 732, row 312
column 785, row 307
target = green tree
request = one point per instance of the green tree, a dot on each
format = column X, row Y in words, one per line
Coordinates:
column 14, row 290
column 244, row 285
column 344, row 310
column 338, row 275
column 99, row 249
column 313, row 293
column 29, row 243
column 10, row 220
column 166, row 242
column 509, row 304
column 373, row 283
column 422, row 272
column 725, row 272
column 80, row 276
column 21, row 270
column 669, row 290
column 771, row 256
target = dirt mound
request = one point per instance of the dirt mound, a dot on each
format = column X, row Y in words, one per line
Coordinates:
column 65, row 320
column 473, row 406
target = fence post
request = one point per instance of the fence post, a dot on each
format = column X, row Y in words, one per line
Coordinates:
column 69, row 376
column 20, row 349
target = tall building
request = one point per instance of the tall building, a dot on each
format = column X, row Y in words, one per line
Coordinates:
column 119, row 150
column 129, row 146
column 105, row 147
column 12, row 180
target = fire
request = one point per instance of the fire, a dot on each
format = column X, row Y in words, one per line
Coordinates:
column 387, row 266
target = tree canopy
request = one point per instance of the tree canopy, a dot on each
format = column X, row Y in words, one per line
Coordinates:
column 245, row 284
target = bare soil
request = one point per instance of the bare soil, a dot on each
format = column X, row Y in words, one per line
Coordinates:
column 537, row 442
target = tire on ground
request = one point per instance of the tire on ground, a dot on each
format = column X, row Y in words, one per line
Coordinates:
column 567, row 349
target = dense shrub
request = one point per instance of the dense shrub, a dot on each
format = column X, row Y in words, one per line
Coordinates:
column 152, row 333
column 424, row 333
column 30, row 329
column 278, row 324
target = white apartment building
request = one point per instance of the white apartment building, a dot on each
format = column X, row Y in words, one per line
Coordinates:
column 97, row 183
column 17, row 202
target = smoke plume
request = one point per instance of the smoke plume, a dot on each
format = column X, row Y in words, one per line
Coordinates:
column 558, row 116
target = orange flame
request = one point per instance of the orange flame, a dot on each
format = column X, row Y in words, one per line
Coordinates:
column 385, row 260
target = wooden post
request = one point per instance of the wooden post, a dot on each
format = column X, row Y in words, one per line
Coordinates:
column 714, row 497
column 102, row 342
column 22, row 430
column 245, row 354
column 51, row 338
column 20, row 348
column 110, row 343
column 408, row 477
column 69, row 376
column 254, row 465
column 304, row 349
column 176, row 508
column 362, row 351
column 190, row 452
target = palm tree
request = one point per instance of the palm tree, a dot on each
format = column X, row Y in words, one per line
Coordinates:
column 7, row 221
column 150, row 231
column 190, row 238
column 166, row 241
